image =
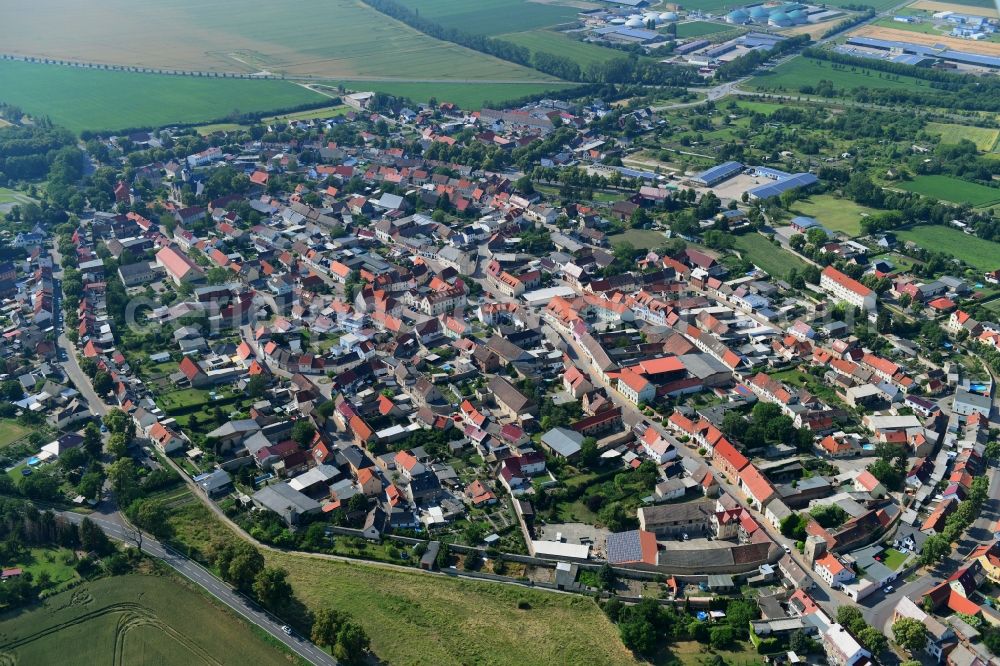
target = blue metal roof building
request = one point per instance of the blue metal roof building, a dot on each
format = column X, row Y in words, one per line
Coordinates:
column 777, row 188
column 718, row 173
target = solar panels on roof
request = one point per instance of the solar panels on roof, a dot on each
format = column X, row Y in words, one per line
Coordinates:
column 718, row 173
column 624, row 547
column 777, row 188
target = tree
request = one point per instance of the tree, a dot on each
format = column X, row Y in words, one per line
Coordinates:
column 117, row 446
column 256, row 386
column 873, row 639
column 102, row 383
column 639, row 636
column 721, row 636
column 326, row 625
column 935, row 549
column 606, row 576
column 271, row 587
column 118, row 421
column 92, row 439
column 93, row 539
column 358, row 502
column 121, row 474
column 302, row 432
column 352, row 643
column 72, row 459
column 589, row 455
column 851, row 618
column 910, row 634
column 149, row 515
column 239, row 563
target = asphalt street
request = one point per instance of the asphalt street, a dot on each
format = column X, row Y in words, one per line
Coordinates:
column 113, row 526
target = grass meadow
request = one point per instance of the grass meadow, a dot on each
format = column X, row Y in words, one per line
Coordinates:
column 766, row 255
column 701, row 28
column 132, row 619
column 977, row 252
column 951, row 189
column 985, row 138
column 416, row 618
column 794, row 74
column 835, row 214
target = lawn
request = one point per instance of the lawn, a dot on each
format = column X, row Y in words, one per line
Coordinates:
column 701, row 28
column 11, row 431
column 641, row 239
column 951, row 189
column 984, row 138
column 557, row 43
column 132, row 619
column 893, row 558
column 13, row 196
column 82, row 99
column 415, row 618
column 340, row 39
column 833, row 213
column 799, row 72
column 57, row 564
column 765, row 255
column 981, row 254
column 493, row 17
column 692, row 652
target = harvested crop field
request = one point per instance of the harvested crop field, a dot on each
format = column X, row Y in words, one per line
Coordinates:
column 132, row 619
column 967, row 45
column 974, row 7
column 326, row 38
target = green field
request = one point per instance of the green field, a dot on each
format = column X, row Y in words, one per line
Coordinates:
column 493, row 17
column 415, row 618
column 557, row 43
column 132, row 619
column 792, row 75
column 984, row 137
column 926, row 27
column 641, row 239
column 701, row 28
column 99, row 100
column 835, row 214
column 767, row 256
column 11, row 431
column 465, row 95
column 951, row 189
column 335, row 39
column 977, row 252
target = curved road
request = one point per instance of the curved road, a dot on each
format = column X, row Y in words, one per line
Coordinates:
column 112, row 526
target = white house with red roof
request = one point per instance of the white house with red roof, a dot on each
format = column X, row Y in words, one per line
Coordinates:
column 832, row 570
column 845, row 289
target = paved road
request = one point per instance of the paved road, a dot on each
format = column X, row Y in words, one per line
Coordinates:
column 71, row 366
column 112, row 525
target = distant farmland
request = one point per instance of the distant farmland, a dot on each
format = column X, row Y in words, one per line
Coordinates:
column 334, row 39
column 955, row 190
column 556, row 43
column 493, row 17
column 984, row 138
column 80, row 99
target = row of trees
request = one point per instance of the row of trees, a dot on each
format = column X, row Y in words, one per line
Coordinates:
column 243, row 566
column 938, row 546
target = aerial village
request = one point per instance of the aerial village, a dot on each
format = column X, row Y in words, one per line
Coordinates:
column 344, row 345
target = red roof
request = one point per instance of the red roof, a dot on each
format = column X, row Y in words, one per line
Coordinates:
column 756, row 483
column 846, row 281
column 189, row 368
